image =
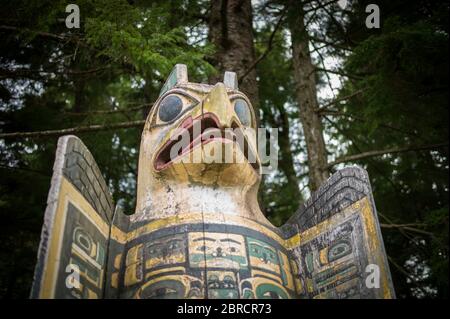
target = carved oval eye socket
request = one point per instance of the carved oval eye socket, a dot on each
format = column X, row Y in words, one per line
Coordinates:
column 242, row 110
column 169, row 108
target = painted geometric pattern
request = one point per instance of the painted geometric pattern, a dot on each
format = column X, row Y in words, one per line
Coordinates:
column 213, row 264
column 186, row 262
column 250, row 260
column 321, row 252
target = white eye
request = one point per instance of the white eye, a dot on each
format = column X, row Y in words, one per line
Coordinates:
column 170, row 107
column 242, row 110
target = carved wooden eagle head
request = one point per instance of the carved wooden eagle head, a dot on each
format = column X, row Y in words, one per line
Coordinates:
column 198, row 137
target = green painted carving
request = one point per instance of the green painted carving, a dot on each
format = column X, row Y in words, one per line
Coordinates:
column 198, row 231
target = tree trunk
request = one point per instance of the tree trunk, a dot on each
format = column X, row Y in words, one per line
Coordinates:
column 231, row 32
column 306, row 95
column 286, row 163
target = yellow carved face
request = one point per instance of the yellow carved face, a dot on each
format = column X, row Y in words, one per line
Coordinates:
column 217, row 250
column 204, row 134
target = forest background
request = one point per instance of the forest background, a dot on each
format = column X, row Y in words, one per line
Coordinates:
column 341, row 90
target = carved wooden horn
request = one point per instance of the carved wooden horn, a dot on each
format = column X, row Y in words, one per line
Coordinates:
column 230, row 80
column 179, row 74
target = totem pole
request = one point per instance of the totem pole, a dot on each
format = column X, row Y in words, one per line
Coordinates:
column 198, row 231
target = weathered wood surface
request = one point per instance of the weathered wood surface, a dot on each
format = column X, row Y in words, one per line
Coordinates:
column 198, row 231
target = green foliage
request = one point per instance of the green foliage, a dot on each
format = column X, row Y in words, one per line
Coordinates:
column 403, row 74
column 280, row 196
column 141, row 37
column 59, row 78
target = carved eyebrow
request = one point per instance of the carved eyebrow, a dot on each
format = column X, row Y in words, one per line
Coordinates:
column 196, row 87
column 230, row 240
column 201, row 88
column 204, row 238
column 162, row 243
column 234, row 94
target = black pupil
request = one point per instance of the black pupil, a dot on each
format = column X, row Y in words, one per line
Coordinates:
column 243, row 112
column 170, row 107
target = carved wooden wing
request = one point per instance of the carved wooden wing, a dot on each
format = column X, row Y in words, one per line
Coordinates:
column 73, row 252
column 336, row 243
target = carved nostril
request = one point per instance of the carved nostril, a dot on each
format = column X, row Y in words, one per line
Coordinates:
column 234, row 125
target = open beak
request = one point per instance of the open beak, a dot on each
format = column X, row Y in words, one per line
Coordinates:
column 217, row 123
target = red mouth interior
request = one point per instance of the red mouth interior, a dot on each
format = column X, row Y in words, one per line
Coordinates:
column 208, row 122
